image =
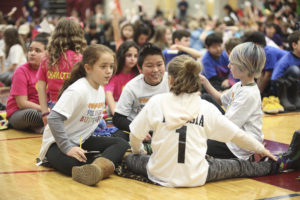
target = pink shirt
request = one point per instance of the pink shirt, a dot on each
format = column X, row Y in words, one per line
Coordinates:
column 117, row 82
column 23, row 84
column 57, row 75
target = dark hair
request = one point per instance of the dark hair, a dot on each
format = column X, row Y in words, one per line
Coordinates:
column 90, row 56
column 146, row 50
column 270, row 24
column 121, row 55
column 212, row 39
column 231, row 43
column 11, row 37
column 42, row 38
column 229, row 8
column 185, row 71
column 178, row 34
column 257, row 37
column 293, row 38
column 141, row 29
column 93, row 25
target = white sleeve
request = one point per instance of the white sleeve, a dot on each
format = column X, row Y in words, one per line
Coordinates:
column 218, row 127
column 241, row 108
column 15, row 54
column 67, row 104
column 139, row 128
column 125, row 103
column 246, row 141
column 226, row 98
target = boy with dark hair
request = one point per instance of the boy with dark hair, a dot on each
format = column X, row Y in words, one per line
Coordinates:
column 286, row 75
column 215, row 62
column 151, row 81
column 93, row 36
column 181, row 45
column 271, row 33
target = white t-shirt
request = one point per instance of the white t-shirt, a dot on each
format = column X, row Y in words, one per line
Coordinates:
column 16, row 55
column 83, row 106
column 175, row 163
column 243, row 107
column 136, row 94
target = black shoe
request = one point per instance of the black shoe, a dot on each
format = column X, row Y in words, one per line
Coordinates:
column 281, row 86
column 290, row 160
column 293, row 91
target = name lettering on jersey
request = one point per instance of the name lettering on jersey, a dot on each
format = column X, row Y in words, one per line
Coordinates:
column 94, row 113
column 199, row 120
column 58, row 75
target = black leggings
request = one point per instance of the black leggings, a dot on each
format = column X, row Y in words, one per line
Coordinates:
column 219, row 150
column 112, row 148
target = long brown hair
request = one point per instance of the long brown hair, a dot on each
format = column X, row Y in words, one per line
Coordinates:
column 68, row 35
column 12, row 37
column 90, row 56
column 185, row 71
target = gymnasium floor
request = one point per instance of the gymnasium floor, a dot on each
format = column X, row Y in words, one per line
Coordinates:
column 21, row 179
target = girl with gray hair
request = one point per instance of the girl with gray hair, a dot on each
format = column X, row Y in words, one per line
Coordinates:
column 242, row 101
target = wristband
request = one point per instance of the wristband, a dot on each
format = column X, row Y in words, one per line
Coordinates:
column 45, row 114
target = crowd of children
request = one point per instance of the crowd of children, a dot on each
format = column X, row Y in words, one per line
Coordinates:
column 154, row 83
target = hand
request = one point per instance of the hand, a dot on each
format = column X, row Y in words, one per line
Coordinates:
column 225, row 84
column 45, row 120
column 174, row 47
column 148, row 137
column 268, row 154
column 78, row 153
column 94, row 41
column 203, row 79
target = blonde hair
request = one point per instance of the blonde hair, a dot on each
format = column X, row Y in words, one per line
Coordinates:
column 68, row 35
column 248, row 57
column 185, row 71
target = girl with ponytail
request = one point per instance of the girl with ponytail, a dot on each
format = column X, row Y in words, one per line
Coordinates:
column 68, row 143
column 181, row 123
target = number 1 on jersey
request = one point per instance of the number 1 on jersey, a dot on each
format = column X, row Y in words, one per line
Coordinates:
column 181, row 144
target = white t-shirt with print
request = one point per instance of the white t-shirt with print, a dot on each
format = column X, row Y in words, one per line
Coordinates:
column 136, row 94
column 176, row 163
column 243, row 107
column 83, row 106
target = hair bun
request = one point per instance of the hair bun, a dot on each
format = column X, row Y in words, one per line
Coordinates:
column 192, row 66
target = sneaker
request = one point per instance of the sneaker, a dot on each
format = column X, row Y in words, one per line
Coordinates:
column 275, row 100
column 269, row 107
column 290, row 160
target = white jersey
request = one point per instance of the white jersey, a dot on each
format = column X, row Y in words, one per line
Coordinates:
column 243, row 107
column 178, row 158
column 136, row 94
column 83, row 106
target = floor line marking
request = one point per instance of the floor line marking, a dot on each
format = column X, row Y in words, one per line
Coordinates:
column 21, row 138
column 29, row 171
column 280, row 197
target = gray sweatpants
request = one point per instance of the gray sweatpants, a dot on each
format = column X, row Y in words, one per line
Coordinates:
column 218, row 168
column 27, row 119
column 5, row 77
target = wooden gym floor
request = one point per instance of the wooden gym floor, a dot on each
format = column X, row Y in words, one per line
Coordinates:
column 20, row 178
